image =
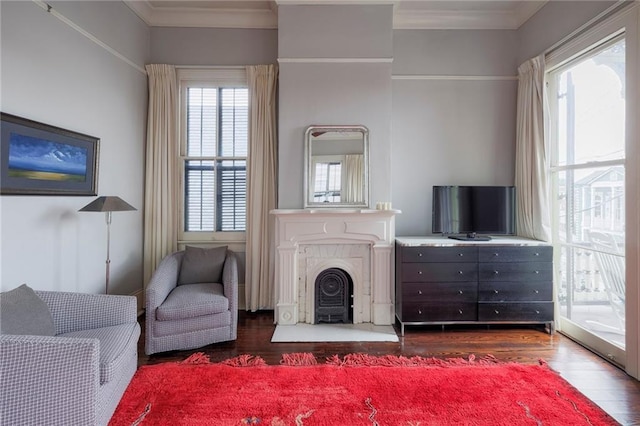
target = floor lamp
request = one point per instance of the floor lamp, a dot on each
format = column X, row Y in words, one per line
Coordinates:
column 107, row 205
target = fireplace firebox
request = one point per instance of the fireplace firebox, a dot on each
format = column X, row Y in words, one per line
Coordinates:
column 333, row 297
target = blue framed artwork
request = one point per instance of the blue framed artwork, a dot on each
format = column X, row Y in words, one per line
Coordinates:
column 39, row 159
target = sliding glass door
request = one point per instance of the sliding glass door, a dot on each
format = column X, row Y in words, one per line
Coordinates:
column 586, row 97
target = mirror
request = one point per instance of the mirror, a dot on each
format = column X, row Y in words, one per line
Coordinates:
column 336, row 167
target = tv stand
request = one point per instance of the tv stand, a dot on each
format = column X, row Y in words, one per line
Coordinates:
column 471, row 236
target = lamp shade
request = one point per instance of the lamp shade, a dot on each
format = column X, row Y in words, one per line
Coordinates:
column 107, row 204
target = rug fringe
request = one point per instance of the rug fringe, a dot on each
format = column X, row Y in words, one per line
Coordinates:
column 245, row 361
column 361, row 359
column 196, row 358
column 298, row 358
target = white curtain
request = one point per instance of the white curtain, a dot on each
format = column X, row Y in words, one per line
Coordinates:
column 160, row 198
column 261, row 186
column 533, row 216
column 354, row 179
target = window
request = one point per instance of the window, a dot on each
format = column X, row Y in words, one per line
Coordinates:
column 587, row 111
column 214, row 133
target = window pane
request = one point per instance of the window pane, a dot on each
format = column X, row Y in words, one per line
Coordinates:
column 590, row 200
column 202, row 119
column 591, row 108
column 232, row 194
column 235, row 122
column 199, row 196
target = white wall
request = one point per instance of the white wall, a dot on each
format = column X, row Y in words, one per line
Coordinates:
column 448, row 130
column 53, row 74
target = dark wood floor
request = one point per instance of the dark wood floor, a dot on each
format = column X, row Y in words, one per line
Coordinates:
column 608, row 386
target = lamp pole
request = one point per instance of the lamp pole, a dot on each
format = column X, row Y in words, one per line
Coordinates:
column 107, row 216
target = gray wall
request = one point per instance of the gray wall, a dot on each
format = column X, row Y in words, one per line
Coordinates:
column 447, row 130
column 53, row 74
column 213, row 46
column 342, row 92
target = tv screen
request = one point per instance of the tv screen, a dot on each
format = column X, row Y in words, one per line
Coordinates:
column 474, row 209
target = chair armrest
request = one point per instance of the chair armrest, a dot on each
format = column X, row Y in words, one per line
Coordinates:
column 48, row 380
column 163, row 280
column 230, row 280
column 80, row 311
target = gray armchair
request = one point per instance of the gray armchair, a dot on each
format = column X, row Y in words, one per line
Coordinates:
column 77, row 375
column 192, row 300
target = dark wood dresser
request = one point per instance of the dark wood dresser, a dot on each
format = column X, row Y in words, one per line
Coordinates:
column 444, row 281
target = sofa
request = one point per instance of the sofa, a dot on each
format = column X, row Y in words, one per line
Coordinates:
column 77, row 375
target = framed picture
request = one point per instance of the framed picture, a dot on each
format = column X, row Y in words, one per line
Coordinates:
column 38, row 159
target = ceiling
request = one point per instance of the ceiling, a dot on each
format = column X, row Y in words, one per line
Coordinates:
column 408, row 14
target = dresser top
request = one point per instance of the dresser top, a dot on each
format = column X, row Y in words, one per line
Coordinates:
column 440, row 241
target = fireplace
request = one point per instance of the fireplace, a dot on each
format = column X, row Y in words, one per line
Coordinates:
column 359, row 243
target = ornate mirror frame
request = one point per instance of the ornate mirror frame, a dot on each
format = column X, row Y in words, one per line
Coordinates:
column 333, row 147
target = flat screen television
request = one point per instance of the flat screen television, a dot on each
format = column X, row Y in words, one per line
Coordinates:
column 474, row 212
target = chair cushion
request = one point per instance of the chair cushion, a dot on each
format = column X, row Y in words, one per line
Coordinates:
column 202, row 265
column 193, row 300
column 23, row 312
column 113, row 346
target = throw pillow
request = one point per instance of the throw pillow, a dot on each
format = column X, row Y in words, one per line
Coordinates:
column 202, row 265
column 23, row 312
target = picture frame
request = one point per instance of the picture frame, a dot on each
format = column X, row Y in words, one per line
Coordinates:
column 40, row 159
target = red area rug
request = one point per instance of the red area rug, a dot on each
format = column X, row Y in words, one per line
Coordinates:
column 355, row 390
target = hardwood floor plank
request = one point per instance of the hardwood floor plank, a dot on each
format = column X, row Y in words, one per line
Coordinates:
column 605, row 384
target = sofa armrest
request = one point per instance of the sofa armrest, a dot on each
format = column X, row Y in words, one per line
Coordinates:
column 80, row 311
column 163, row 280
column 230, row 279
column 48, row 380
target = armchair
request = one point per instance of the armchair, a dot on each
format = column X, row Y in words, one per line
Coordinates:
column 78, row 375
column 192, row 300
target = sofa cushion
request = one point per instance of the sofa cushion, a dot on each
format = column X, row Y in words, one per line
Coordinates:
column 202, row 265
column 193, row 300
column 23, row 312
column 115, row 343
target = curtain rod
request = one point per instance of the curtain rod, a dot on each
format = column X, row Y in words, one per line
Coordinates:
column 212, row 67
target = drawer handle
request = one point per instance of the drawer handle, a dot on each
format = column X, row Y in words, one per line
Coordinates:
column 419, row 272
column 460, row 273
column 538, row 312
column 460, row 311
column 460, row 254
column 419, row 291
column 536, row 272
column 420, row 311
column 536, row 291
column 496, row 254
column 497, row 312
column 537, row 254
column 460, row 292
column 495, row 272
column 419, row 254
column 496, row 291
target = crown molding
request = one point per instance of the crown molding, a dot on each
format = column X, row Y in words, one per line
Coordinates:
column 202, row 17
column 404, row 18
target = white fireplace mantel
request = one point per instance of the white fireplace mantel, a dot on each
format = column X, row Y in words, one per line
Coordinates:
column 330, row 233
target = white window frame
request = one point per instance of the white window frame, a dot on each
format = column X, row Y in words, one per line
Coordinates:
column 199, row 77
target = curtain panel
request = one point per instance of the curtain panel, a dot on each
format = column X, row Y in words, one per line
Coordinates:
column 261, row 186
column 160, row 198
column 532, row 217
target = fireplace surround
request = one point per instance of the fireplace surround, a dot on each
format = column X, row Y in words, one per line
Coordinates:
column 359, row 242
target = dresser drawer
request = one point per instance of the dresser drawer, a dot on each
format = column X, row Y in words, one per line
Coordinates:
column 533, row 311
column 510, row 291
column 430, row 292
column 439, row 272
column 515, row 271
column 515, row 254
column 438, row 312
column 439, row 254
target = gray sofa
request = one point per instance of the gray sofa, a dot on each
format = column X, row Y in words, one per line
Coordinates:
column 78, row 376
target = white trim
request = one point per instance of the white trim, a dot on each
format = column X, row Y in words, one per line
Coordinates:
column 335, row 60
column 216, row 76
column 88, row 35
column 456, row 77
